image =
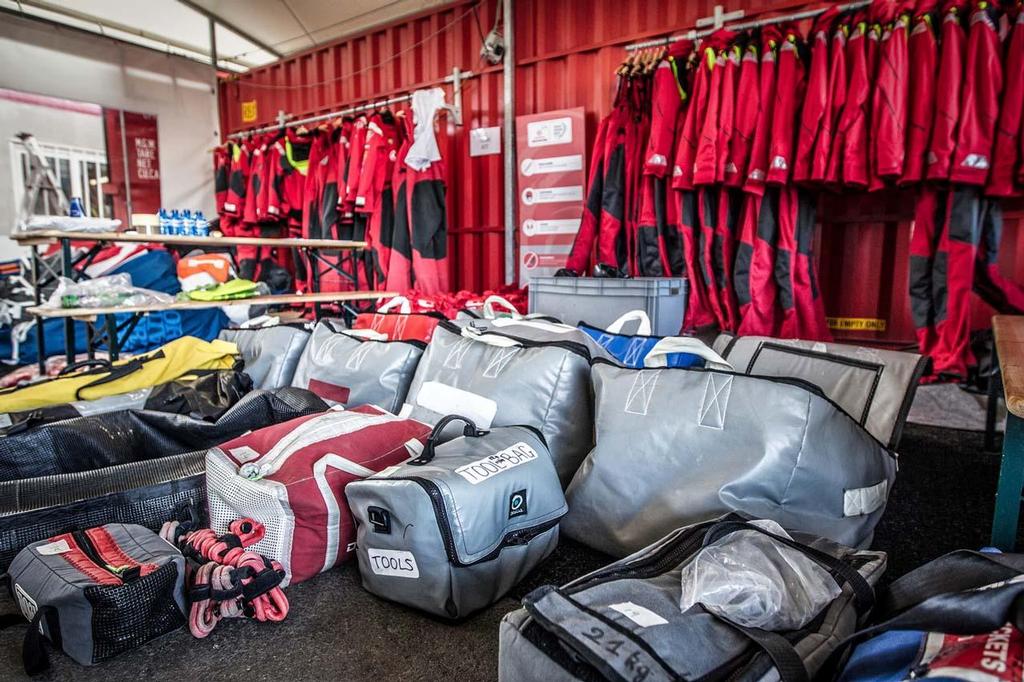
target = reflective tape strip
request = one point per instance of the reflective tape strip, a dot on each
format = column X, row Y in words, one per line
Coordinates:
column 861, row 501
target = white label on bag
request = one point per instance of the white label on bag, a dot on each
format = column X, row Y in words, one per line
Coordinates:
column 443, row 399
column 643, row 617
column 393, row 562
column 482, row 469
column 52, row 548
column 27, row 604
column 5, row 420
column 243, row 454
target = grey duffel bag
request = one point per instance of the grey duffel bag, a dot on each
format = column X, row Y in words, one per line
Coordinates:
column 97, row 593
column 496, row 380
column 361, row 367
column 270, row 354
column 626, row 622
column 875, row 386
column 676, row 446
column 456, row 528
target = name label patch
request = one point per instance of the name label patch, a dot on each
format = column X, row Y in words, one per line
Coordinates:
column 479, row 471
column 393, row 562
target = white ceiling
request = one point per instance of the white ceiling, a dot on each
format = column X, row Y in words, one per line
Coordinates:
column 284, row 26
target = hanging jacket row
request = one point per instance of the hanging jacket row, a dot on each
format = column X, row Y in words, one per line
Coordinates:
column 347, row 179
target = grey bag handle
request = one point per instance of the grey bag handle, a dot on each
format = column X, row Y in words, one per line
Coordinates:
column 470, row 431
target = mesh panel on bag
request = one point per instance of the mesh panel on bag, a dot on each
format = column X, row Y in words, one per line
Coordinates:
column 149, row 507
column 232, row 497
column 129, row 615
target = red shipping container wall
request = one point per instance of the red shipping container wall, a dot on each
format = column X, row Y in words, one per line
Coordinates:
column 567, row 52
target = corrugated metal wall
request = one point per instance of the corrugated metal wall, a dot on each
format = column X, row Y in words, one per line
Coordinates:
column 567, row 52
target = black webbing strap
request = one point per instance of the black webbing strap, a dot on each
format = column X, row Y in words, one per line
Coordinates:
column 33, row 653
column 783, row 655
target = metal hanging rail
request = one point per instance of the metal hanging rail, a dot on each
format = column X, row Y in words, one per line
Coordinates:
column 455, row 108
column 745, row 25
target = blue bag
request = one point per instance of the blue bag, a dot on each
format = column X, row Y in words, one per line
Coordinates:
column 632, row 350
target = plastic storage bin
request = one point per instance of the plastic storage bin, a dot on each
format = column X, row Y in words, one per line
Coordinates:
column 600, row 301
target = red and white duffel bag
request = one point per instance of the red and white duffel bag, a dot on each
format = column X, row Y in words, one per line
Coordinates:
column 291, row 477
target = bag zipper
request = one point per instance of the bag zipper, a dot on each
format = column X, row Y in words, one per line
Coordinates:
column 122, row 573
column 516, row 537
column 264, row 466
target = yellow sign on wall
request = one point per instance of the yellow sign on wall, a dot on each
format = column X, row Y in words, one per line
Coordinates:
column 249, row 111
column 859, row 324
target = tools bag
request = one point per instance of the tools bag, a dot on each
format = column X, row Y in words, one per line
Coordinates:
column 957, row 617
column 456, row 528
column 291, row 478
column 97, row 593
column 497, row 380
column 875, row 386
column 270, row 353
column 626, row 622
column 357, row 367
column 401, row 326
column 676, row 446
column 631, row 349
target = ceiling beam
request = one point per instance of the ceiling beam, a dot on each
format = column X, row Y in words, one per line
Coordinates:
column 102, row 23
column 231, row 27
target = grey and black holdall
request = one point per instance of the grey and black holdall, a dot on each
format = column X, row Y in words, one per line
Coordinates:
column 456, row 528
column 357, row 367
column 270, row 353
column 676, row 446
column 497, row 380
column 625, row 622
column 97, row 593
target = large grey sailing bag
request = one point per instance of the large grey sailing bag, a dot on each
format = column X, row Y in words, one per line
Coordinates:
column 270, row 354
column 625, row 622
column 454, row 529
column 676, row 446
column 497, row 380
column 357, row 367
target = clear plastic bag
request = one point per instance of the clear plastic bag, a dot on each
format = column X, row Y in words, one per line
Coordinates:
column 754, row 581
column 103, row 292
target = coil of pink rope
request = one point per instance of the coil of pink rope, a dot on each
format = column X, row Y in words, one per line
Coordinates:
column 230, row 582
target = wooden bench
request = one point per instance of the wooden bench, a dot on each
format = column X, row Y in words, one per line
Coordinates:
column 1009, row 338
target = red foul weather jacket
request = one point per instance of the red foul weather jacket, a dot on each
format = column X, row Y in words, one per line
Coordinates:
column 923, row 53
column 789, row 92
column 952, row 47
column 428, row 227
column 581, row 257
column 803, row 312
column 745, row 118
column 354, row 165
column 717, row 115
column 688, row 138
column 892, row 82
column 874, row 51
column 612, row 248
column 398, row 273
column 1007, row 152
column 727, row 110
column 238, row 177
column 757, row 164
column 814, row 115
column 666, row 101
column 853, row 122
column 979, row 101
column 825, row 161
column 221, row 170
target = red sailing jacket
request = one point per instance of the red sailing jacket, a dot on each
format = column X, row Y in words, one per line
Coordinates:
column 611, row 233
column 923, row 50
column 1007, row 152
column 710, row 155
column 889, row 104
column 398, row 273
column 666, row 101
column 254, row 186
column 238, row 177
column 354, row 164
column 789, row 92
column 853, row 123
column 952, row 44
column 745, row 117
column 727, row 109
column 874, row 51
column 374, row 196
column 693, row 122
column 582, row 254
column 979, row 102
column 428, row 227
column 814, row 116
column 757, row 165
column 292, row 164
column 828, row 157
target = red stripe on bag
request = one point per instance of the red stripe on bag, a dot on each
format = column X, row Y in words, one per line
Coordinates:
column 83, row 564
column 108, row 549
column 338, row 394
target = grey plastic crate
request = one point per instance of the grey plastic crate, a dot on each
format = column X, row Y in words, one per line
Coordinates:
column 600, row 301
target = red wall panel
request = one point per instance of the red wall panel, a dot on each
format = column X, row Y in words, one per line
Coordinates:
column 567, row 51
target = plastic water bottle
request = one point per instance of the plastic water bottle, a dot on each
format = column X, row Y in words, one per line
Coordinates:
column 176, row 223
column 202, row 225
column 164, row 220
column 188, row 223
column 75, row 209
